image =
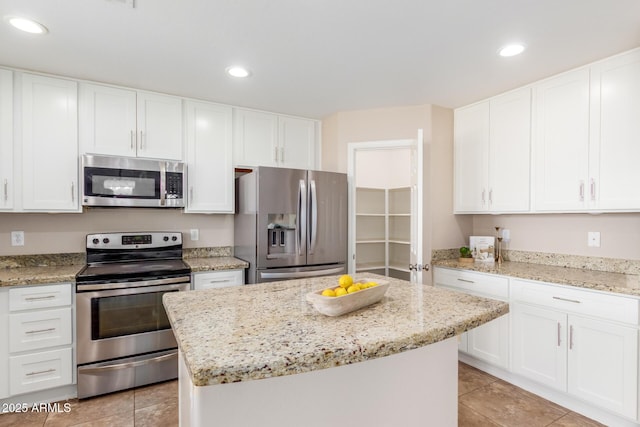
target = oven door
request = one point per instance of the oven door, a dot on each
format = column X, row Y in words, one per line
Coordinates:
column 123, row 322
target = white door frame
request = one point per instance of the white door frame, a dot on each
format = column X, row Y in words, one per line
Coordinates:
column 416, row 196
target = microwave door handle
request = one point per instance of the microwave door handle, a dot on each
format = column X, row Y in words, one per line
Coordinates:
column 163, row 183
column 302, row 216
column 313, row 203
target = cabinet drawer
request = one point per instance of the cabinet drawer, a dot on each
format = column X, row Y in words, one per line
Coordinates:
column 39, row 371
column 218, row 279
column 39, row 329
column 39, row 297
column 610, row 307
column 486, row 285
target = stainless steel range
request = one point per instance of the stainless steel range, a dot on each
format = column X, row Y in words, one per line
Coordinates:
column 124, row 339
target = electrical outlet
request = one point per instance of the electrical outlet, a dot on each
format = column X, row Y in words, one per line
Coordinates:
column 593, row 239
column 506, row 235
column 195, row 234
column 17, row 238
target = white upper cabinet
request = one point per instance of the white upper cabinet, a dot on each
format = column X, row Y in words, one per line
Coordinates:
column 492, row 146
column 471, row 158
column 615, row 133
column 266, row 139
column 208, row 152
column 6, row 140
column 123, row 122
column 561, row 144
column 49, row 144
column 297, row 141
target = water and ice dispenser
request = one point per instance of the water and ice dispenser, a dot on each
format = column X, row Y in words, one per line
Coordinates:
column 281, row 235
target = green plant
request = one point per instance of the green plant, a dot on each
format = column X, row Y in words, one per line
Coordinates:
column 465, row 252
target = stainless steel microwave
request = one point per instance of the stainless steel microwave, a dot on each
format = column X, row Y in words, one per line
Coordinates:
column 132, row 182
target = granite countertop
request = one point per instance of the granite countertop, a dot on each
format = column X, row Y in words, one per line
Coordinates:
column 38, row 275
column 627, row 284
column 266, row 330
column 215, row 263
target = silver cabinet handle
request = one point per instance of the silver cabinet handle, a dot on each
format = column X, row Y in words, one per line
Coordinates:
column 40, row 298
column 575, row 301
column 570, row 337
column 6, row 190
column 282, row 154
column 219, row 281
column 581, row 191
column 466, row 281
column 39, row 331
column 191, row 193
column 40, row 372
column 133, row 137
column 592, row 189
column 73, row 193
column 558, row 334
column 483, row 200
column 141, row 140
column 491, row 196
column 275, row 153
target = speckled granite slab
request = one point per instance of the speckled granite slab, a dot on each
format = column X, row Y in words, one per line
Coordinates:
column 215, row 263
column 217, row 251
column 38, row 275
column 628, row 284
column 267, row 330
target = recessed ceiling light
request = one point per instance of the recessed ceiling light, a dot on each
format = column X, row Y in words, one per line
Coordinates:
column 26, row 24
column 237, row 71
column 511, row 49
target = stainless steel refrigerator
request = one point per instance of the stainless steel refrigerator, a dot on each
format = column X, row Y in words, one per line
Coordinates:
column 291, row 223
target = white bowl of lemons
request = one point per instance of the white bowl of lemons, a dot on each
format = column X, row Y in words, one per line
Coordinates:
column 347, row 296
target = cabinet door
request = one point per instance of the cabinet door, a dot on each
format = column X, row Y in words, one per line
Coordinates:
column 6, row 139
column 209, row 156
column 4, row 338
column 107, row 120
column 159, row 126
column 539, row 347
column 603, row 364
column 615, row 129
column 471, row 158
column 561, row 142
column 510, row 152
column 489, row 342
column 296, row 140
column 255, row 138
column 49, row 144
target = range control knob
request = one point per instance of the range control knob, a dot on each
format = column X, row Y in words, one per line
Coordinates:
column 165, row 238
column 96, row 241
column 174, row 238
column 105, row 240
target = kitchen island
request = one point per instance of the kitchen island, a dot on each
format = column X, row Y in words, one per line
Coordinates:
column 261, row 355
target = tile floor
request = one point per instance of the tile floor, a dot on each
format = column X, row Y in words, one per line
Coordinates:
column 484, row 401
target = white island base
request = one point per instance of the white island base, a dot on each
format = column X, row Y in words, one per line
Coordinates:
column 413, row 388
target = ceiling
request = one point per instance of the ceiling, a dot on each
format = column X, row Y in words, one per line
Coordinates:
column 313, row 58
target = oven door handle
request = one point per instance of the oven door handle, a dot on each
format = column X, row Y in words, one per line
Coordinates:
column 130, row 285
column 127, row 365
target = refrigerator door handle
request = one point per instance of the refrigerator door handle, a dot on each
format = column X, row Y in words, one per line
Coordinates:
column 302, row 217
column 301, row 274
column 313, row 232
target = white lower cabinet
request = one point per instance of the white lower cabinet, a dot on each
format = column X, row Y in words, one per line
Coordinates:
column 37, row 337
column 488, row 342
column 569, row 343
column 217, row 279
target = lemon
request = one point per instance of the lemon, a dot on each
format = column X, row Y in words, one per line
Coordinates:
column 353, row 288
column 328, row 293
column 340, row 292
column 372, row 284
column 345, row 281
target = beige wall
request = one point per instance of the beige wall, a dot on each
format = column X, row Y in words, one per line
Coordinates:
column 65, row 233
column 441, row 229
column 567, row 233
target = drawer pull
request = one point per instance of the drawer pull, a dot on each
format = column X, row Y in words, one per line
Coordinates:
column 567, row 300
column 30, row 374
column 40, row 298
column 219, row 280
column 466, row 281
column 38, row 331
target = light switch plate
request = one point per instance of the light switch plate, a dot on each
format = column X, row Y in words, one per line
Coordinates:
column 17, row 238
column 593, row 239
